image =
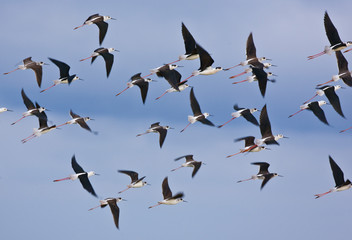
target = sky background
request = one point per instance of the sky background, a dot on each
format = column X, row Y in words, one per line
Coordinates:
column 148, row 34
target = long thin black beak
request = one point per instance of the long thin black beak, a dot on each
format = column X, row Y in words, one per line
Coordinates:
column 9, row 110
column 280, row 175
column 113, row 18
column 97, row 174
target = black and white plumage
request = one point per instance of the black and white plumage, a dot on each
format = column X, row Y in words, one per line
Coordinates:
column 31, row 108
column 98, row 20
column 197, row 112
column 115, row 210
column 142, row 83
column 156, row 128
column 315, row 107
column 169, row 198
column 190, row 45
column 190, row 162
column 28, row 63
column 265, row 129
column 262, row 78
column 330, row 93
column 340, row 183
column 81, row 175
column 106, row 54
column 135, row 181
column 244, row 112
column 65, row 76
column 172, row 76
column 336, row 43
column 249, row 146
column 81, row 121
column 206, row 62
column 263, row 174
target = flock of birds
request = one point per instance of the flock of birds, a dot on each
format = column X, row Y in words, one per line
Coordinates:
column 169, row 72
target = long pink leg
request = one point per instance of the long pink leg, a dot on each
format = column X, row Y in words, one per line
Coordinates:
column 161, row 95
column 124, row 190
column 226, row 69
column 148, row 75
column 240, row 74
column 28, row 138
column 18, row 120
column 11, row 71
column 310, row 98
column 155, row 205
column 322, row 194
column 85, row 58
column 62, row 125
column 185, row 127
column 48, row 88
column 245, row 180
column 240, row 81
column 90, row 209
column 347, row 50
column 141, row 134
column 227, row 122
column 186, row 79
column 62, row 179
column 296, row 113
column 122, row 91
column 174, row 62
column 325, row 83
column 79, row 26
column 345, row 130
column 176, row 168
column 233, row 154
column 316, row 55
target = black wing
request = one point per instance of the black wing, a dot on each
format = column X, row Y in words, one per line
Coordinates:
column 166, row 189
column 334, row 100
column 194, row 104
column 337, row 172
column 185, row 156
column 190, row 43
column 265, row 126
column 331, row 31
column 155, row 125
column 266, row 179
column 38, row 70
column 133, row 175
column 196, row 168
column 343, row 68
column 248, row 141
column 237, row 108
column 103, row 28
column 263, row 167
column 64, row 68
column 137, row 76
column 83, row 124
column 76, row 167
column 318, row 111
column 249, row 117
column 74, row 115
column 205, row 59
column 178, row 195
column 86, row 184
column 115, row 210
column 206, row 122
column 43, row 119
column 251, row 51
column 29, row 104
column 109, row 60
column 92, row 17
column 143, row 86
column 162, row 131
column 262, row 78
column 172, row 76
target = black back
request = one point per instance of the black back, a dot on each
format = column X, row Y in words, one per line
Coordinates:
column 133, row 175
column 318, row 111
column 63, row 67
column 103, row 28
column 248, row 141
column 334, row 99
column 205, row 59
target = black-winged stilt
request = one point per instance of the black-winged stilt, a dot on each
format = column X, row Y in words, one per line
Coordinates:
column 315, row 107
column 190, row 162
column 244, row 112
column 135, row 181
column 106, row 54
column 249, row 146
column 81, row 121
column 156, row 128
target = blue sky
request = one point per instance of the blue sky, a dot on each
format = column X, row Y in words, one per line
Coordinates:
column 147, row 36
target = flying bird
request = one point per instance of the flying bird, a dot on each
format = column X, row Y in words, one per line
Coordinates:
column 265, row 129
column 31, row 109
column 244, row 112
column 190, row 45
column 115, row 210
column 263, row 174
column 197, row 112
column 330, row 92
column 28, row 63
column 81, row 121
column 249, row 146
column 156, row 128
column 100, row 22
column 336, row 43
column 206, row 62
column 81, row 175
column 135, row 181
column 169, row 199
column 43, row 126
column 248, row 70
column 142, row 83
column 315, row 107
column 344, row 72
column 251, row 55
column 340, row 182
column 106, row 54
column 65, row 76
column 190, row 162
column 4, row 109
